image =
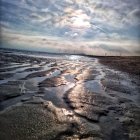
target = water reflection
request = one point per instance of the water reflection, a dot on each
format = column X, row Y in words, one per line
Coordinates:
column 74, row 57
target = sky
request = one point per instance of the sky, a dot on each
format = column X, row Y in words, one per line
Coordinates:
column 95, row 27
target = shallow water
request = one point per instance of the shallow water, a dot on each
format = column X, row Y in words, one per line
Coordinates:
column 56, row 94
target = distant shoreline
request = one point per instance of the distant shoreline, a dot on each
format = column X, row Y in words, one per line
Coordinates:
column 59, row 53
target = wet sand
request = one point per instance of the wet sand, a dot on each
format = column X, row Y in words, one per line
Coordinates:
column 68, row 98
column 129, row 64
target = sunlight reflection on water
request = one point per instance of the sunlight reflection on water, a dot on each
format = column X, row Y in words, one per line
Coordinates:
column 74, row 57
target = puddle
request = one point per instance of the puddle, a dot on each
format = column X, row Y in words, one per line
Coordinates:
column 35, row 81
column 55, row 94
column 55, row 73
column 70, row 78
column 94, row 86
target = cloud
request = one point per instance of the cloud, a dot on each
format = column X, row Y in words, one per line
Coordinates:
column 110, row 11
column 132, row 18
column 55, row 44
column 102, row 20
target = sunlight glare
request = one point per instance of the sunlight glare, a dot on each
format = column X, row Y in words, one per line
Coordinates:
column 80, row 20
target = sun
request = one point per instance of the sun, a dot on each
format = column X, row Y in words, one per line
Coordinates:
column 80, row 20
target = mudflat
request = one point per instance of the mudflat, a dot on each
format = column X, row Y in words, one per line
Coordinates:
column 69, row 97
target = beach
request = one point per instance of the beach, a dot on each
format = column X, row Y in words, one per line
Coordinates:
column 69, row 97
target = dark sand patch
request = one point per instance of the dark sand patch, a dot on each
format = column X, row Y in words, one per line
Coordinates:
column 129, row 64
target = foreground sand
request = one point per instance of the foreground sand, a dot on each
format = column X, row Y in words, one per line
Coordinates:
column 45, row 99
